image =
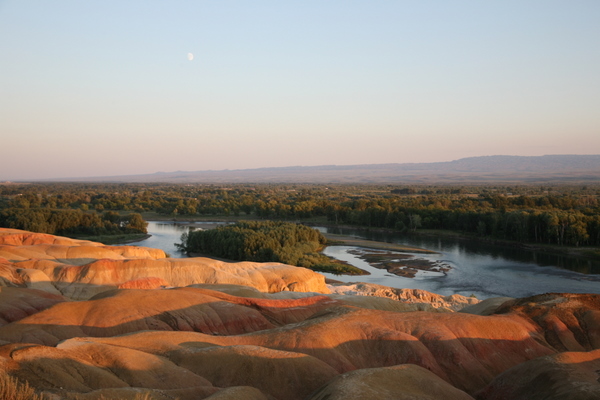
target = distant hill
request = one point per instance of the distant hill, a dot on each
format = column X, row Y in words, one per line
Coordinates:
column 488, row 169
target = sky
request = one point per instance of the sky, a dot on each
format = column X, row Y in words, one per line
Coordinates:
column 104, row 88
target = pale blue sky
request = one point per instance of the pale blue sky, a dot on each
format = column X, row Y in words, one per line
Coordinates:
column 97, row 88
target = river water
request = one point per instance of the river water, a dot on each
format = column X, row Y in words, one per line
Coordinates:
column 479, row 269
column 165, row 234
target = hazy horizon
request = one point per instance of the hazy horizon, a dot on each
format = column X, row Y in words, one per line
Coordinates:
column 555, row 168
column 287, row 166
column 126, row 88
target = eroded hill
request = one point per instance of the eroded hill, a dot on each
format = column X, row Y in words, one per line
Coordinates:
column 80, row 320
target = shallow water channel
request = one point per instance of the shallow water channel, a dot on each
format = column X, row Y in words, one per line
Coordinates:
column 479, row 269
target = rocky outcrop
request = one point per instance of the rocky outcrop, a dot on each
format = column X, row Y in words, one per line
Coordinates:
column 345, row 338
column 144, row 283
column 370, row 302
column 85, row 366
column 427, row 299
column 570, row 322
column 283, row 348
column 487, row 306
column 282, row 374
column 16, row 237
column 76, row 254
column 572, row 375
column 19, row 303
column 82, row 269
column 402, row 382
column 185, row 309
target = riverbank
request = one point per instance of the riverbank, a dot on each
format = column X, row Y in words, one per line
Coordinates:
column 342, row 240
column 592, row 253
column 480, row 269
column 113, row 239
column 211, row 222
column 182, row 219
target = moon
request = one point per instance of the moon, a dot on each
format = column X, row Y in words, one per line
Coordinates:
column 190, row 56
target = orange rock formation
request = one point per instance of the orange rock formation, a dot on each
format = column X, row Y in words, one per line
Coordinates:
column 131, row 323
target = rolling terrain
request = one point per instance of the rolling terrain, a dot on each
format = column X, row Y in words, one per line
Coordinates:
column 81, row 320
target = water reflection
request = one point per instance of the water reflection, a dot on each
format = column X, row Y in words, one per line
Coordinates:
column 487, row 270
column 463, row 246
column 166, row 233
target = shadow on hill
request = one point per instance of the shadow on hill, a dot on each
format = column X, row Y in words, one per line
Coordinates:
column 82, row 365
column 241, row 337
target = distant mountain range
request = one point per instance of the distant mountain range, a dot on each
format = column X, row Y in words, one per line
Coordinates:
column 472, row 170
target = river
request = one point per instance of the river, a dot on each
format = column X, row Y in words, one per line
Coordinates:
column 479, row 269
column 166, row 233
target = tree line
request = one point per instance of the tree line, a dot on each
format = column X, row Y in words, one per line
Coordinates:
column 72, row 222
column 572, row 227
column 562, row 215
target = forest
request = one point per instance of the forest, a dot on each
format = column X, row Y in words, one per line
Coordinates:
column 72, row 222
column 567, row 215
column 264, row 241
